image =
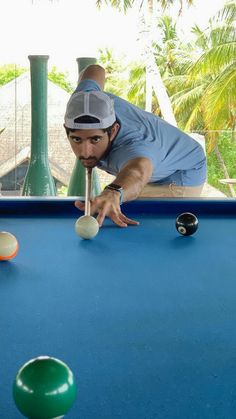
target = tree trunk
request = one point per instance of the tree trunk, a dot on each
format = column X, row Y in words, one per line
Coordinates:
column 148, row 99
column 160, row 90
column 146, row 22
column 233, row 136
column 224, row 168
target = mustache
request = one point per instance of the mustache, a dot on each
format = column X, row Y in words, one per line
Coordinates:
column 88, row 161
column 88, row 158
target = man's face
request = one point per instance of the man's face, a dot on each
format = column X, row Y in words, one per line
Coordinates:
column 89, row 145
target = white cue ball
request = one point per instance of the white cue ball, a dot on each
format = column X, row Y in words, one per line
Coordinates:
column 8, row 246
column 87, row 227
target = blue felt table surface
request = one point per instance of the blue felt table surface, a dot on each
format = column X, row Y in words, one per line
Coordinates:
column 144, row 317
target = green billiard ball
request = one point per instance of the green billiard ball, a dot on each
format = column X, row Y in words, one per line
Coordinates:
column 44, row 388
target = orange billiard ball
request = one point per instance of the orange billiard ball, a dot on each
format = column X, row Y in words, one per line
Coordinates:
column 8, row 246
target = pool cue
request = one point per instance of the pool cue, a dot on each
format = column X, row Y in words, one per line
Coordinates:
column 88, row 189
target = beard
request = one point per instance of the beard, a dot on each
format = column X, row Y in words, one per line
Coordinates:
column 89, row 162
column 92, row 161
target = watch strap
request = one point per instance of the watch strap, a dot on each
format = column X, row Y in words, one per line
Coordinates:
column 117, row 188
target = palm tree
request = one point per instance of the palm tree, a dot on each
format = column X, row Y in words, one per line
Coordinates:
column 138, row 86
column 168, row 53
column 204, row 97
column 203, row 89
column 217, row 65
column 148, row 10
column 116, row 72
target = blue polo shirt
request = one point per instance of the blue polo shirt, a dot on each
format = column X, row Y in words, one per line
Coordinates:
column 176, row 157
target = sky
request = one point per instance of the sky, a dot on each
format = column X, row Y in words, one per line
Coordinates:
column 67, row 29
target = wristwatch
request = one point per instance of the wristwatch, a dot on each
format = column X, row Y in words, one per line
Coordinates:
column 118, row 188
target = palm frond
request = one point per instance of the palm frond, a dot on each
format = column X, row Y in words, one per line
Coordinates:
column 195, row 119
column 166, row 3
column 222, row 34
column 201, row 37
column 220, row 100
column 136, row 92
column 186, row 98
column 214, row 60
column 122, row 6
column 176, row 84
column 227, row 13
column 187, row 104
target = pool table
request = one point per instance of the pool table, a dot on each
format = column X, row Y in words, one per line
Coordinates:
column 144, row 317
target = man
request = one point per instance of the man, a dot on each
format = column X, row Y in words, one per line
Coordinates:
column 147, row 155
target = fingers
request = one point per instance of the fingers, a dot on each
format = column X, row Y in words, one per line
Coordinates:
column 104, row 209
column 80, row 205
column 100, row 218
column 129, row 221
column 113, row 213
column 114, row 217
column 117, row 217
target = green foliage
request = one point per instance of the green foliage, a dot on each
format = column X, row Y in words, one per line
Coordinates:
column 136, row 91
column 9, row 72
column 116, row 72
column 215, row 68
column 61, row 79
column 62, row 191
column 200, row 79
column 227, row 148
column 123, row 5
column 215, row 173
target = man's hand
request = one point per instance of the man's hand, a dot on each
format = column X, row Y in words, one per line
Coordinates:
column 107, row 204
column 132, row 178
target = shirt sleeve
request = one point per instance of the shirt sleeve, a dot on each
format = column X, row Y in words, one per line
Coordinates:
column 87, row 85
column 121, row 155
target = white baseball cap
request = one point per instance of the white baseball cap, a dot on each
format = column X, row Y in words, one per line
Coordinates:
column 95, row 104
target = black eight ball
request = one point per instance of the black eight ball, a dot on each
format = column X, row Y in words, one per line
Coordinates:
column 186, row 223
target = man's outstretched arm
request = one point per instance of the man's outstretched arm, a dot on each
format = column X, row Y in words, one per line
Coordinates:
column 132, row 178
column 94, row 72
